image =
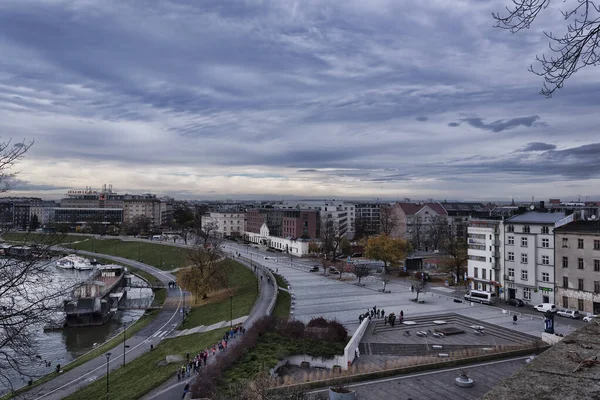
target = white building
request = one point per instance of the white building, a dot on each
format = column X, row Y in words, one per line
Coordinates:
column 484, row 259
column 528, row 250
column 342, row 213
column 226, row 223
column 294, row 247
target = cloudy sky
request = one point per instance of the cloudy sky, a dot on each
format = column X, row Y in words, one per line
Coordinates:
column 353, row 98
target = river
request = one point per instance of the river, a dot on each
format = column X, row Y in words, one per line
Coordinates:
column 63, row 346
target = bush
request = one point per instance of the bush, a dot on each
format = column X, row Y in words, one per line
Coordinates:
column 318, row 322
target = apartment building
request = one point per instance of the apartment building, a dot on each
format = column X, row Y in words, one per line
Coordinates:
column 300, row 224
column 226, row 223
column 577, row 251
column 367, row 218
column 273, row 217
column 484, row 265
column 528, row 251
column 341, row 213
column 414, row 222
column 142, row 206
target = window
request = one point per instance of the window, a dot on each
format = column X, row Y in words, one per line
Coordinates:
column 524, row 275
column 523, row 258
column 546, row 260
column 580, row 304
column 511, row 256
column 565, row 302
column 596, row 265
column 565, row 262
column 527, row 293
column 510, row 228
column 523, row 242
column 546, row 242
column 511, row 272
column 565, row 282
column 596, row 244
column 565, row 243
column 545, row 230
column 580, row 284
column 526, row 229
column 511, row 240
column 476, row 272
column 596, row 286
column 580, row 243
column 483, row 274
column 580, row 263
column 545, row 276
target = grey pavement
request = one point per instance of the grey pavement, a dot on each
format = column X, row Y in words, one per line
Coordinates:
column 167, row 319
column 173, row 389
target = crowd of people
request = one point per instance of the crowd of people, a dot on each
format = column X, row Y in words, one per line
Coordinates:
column 194, row 364
column 380, row 313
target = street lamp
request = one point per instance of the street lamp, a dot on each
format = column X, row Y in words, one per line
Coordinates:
column 107, row 372
column 231, row 311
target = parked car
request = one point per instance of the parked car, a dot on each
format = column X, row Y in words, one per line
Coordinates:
column 573, row 314
column 314, row 269
column 333, row 271
column 515, row 302
column 589, row 318
column 546, row 307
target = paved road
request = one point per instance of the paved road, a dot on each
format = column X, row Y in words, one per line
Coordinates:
column 167, row 320
column 173, row 390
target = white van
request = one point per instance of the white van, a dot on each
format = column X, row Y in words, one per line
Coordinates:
column 480, row 296
column 546, row 307
column 157, row 237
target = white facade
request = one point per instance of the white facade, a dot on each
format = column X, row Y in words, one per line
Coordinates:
column 484, row 265
column 297, row 248
column 342, row 213
column 226, row 223
column 529, row 256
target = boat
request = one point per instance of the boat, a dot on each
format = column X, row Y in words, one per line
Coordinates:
column 73, row 261
column 96, row 300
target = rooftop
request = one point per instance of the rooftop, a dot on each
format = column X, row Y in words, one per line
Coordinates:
column 580, row 227
column 537, row 217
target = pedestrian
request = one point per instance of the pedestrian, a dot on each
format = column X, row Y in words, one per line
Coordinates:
column 261, row 278
column 178, row 374
column 378, row 313
column 402, row 314
column 382, row 314
column 515, row 319
column 385, row 320
column 360, row 319
column 186, row 389
column 412, row 288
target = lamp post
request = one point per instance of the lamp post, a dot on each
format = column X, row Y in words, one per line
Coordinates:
column 231, row 311
column 107, row 372
column 125, row 346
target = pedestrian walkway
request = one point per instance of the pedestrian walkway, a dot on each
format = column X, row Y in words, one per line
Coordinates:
column 203, row 328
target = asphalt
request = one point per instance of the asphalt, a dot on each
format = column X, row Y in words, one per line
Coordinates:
column 166, row 320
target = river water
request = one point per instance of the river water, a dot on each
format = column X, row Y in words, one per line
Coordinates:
column 63, row 346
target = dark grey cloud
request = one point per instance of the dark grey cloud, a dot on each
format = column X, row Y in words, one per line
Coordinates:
column 501, row 124
column 422, row 118
column 538, row 146
column 19, row 184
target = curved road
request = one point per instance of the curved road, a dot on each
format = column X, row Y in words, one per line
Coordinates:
column 151, row 334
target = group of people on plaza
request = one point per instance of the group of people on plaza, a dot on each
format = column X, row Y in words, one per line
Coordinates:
column 377, row 313
column 194, row 364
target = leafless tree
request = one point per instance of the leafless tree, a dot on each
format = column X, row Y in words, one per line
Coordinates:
column 361, row 271
column 360, row 228
column 456, row 260
column 385, row 280
column 438, row 231
column 389, row 219
column 419, row 287
column 207, row 235
column 575, row 49
column 331, row 236
column 418, row 232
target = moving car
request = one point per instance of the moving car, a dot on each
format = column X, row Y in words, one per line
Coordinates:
column 546, row 307
column 589, row 318
column 515, row 302
column 479, row 296
column 573, row 314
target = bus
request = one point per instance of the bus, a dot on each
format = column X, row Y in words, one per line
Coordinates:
column 481, row 297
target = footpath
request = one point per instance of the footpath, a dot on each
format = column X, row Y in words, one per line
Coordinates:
column 166, row 320
column 173, row 389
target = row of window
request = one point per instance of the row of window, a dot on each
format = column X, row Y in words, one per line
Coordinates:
column 565, row 303
column 524, row 242
column 527, row 229
column 525, row 275
column 580, row 243
column 580, row 264
column 581, row 284
column 525, row 258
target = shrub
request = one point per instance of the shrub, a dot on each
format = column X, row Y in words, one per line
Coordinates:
column 318, row 322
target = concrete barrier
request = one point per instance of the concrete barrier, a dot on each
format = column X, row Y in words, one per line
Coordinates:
column 349, row 350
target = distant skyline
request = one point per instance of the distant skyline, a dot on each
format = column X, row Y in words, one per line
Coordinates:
column 278, row 98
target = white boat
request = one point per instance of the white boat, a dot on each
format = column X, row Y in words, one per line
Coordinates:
column 74, row 262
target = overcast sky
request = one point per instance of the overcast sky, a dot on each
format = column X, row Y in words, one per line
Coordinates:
column 353, row 98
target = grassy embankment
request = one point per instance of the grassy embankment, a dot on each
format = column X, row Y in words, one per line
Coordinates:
column 217, row 308
column 284, row 299
column 149, row 371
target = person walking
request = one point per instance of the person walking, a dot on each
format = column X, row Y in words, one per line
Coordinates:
column 186, row 389
column 515, row 319
column 382, row 313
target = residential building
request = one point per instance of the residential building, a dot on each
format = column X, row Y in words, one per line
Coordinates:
column 341, row 213
column 577, row 252
column 416, row 222
column 273, row 217
column 44, row 211
column 226, row 224
column 528, row 252
column 459, row 214
column 21, row 215
column 484, row 264
column 300, row 224
column 367, row 219
column 167, row 205
column 136, row 206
